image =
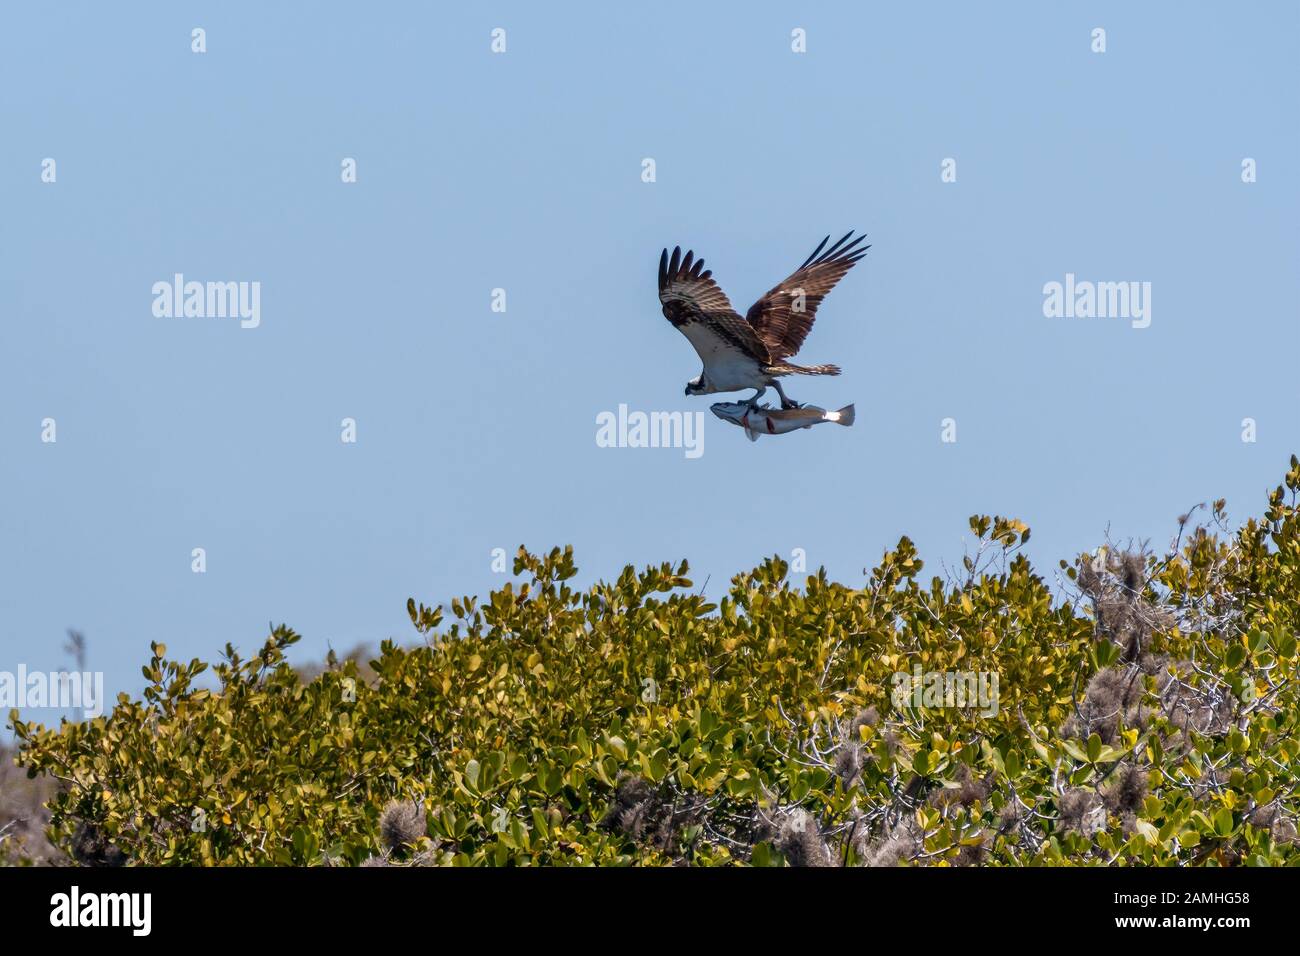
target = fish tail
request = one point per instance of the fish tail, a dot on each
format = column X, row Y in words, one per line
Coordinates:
column 844, row 416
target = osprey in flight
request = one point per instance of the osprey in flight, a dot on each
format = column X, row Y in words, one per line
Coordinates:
column 751, row 352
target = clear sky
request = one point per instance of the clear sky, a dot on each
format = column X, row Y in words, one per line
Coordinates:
column 523, row 171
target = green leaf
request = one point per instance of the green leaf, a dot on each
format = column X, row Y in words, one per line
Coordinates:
column 1223, row 824
column 1012, row 763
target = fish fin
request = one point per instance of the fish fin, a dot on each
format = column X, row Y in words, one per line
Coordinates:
column 751, row 434
column 844, row 416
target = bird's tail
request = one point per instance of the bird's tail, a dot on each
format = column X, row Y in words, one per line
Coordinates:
column 844, row 416
column 785, row 368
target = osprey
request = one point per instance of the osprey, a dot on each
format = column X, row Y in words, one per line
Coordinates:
column 751, row 352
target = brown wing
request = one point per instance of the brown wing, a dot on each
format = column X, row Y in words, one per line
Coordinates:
column 698, row 309
column 784, row 316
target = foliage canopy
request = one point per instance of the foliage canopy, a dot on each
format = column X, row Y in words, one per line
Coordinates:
column 1146, row 714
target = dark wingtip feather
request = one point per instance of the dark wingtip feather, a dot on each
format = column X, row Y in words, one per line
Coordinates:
column 857, row 254
column 852, row 246
column 844, row 253
column 830, row 253
column 815, row 251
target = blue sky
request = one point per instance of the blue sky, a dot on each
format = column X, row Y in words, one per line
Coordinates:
column 522, row 171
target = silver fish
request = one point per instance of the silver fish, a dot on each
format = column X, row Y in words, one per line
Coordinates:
column 762, row 420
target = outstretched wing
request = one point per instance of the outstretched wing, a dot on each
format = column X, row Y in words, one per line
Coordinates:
column 783, row 317
column 698, row 309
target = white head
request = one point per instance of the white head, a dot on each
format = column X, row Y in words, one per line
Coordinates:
column 696, row 385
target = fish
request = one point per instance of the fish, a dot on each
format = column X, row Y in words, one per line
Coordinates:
column 762, row 420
